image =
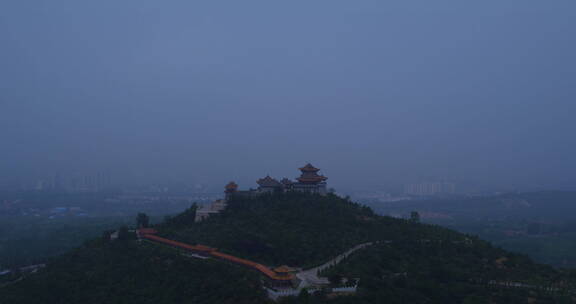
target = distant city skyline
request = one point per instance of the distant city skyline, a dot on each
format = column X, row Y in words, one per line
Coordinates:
column 430, row 188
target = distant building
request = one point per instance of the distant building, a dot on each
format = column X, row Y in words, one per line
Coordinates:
column 213, row 208
column 309, row 181
column 230, row 189
column 269, row 185
column 91, row 183
column 430, row 188
column 42, row 185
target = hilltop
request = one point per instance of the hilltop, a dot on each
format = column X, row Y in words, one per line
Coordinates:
column 409, row 261
column 294, row 228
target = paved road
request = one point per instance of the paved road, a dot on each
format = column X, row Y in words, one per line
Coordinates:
column 310, row 277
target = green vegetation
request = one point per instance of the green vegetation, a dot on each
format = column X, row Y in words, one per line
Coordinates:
column 128, row 272
column 444, row 272
column 411, row 263
column 550, row 206
column 142, row 220
column 539, row 224
column 553, row 244
column 28, row 240
column 295, row 229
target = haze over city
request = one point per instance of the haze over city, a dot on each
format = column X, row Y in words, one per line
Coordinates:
column 375, row 92
column 290, row 152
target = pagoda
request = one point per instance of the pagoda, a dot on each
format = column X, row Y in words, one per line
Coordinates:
column 310, row 175
column 310, row 180
column 230, row 189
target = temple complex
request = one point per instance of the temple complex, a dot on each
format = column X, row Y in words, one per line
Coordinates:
column 309, row 181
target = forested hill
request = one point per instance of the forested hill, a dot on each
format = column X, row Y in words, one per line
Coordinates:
column 296, row 229
column 411, row 263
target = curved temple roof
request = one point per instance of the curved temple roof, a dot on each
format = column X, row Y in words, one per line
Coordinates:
column 309, row 168
column 231, row 186
column 268, row 182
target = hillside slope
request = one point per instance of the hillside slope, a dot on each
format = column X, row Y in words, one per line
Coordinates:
column 539, row 224
column 296, row 229
column 125, row 271
column 411, row 263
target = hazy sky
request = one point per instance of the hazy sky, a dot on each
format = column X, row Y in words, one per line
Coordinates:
column 370, row 91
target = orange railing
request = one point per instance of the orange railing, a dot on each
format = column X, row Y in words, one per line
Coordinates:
column 202, row 249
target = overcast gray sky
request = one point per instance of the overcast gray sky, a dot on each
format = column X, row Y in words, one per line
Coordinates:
column 377, row 91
